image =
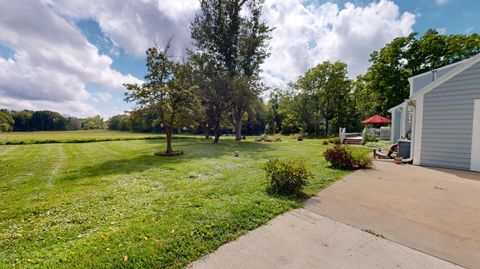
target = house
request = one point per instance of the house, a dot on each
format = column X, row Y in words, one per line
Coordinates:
column 442, row 117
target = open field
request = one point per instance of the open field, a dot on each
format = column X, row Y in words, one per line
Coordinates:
column 16, row 138
column 115, row 205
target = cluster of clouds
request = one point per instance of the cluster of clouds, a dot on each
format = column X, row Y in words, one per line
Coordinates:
column 54, row 61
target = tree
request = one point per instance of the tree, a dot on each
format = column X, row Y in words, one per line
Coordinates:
column 169, row 92
column 327, row 84
column 93, row 123
column 23, row 120
column 48, row 121
column 74, row 123
column 119, row 123
column 404, row 57
column 237, row 46
column 215, row 91
column 6, row 121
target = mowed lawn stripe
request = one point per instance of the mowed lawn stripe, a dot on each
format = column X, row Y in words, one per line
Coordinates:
column 111, row 200
column 6, row 149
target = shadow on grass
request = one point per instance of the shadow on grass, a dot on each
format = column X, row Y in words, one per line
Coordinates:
column 192, row 150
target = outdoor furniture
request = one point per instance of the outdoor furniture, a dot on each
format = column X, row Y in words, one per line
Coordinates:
column 392, row 153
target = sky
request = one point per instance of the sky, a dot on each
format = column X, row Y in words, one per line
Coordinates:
column 73, row 56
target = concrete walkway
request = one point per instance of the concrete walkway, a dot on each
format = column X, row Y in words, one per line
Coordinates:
column 303, row 239
column 388, row 217
column 436, row 211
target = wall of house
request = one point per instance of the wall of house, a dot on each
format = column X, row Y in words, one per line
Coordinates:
column 447, row 121
column 395, row 131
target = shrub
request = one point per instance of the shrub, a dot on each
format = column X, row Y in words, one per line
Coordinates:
column 265, row 138
column 287, row 177
column 362, row 160
column 335, row 140
column 369, row 138
column 340, row 157
column 325, row 142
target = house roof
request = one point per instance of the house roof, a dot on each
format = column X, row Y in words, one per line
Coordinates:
column 460, row 67
column 395, row 107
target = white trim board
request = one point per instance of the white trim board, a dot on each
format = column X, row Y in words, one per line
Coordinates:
column 417, row 132
column 475, row 155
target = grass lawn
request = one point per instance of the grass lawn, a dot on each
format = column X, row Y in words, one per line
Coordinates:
column 115, row 205
column 16, row 138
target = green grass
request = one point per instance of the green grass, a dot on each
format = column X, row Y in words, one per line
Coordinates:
column 115, row 205
column 18, row 138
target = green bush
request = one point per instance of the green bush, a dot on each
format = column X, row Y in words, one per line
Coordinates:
column 325, row 142
column 335, row 140
column 287, row 177
column 369, row 138
column 340, row 157
column 362, row 160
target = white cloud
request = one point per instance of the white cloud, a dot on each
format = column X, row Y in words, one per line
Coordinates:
column 306, row 35
column 136, row 25
column 441, row 2
column 53, row 61
column 101, row 97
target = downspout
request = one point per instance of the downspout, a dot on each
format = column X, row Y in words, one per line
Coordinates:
column 411, row 103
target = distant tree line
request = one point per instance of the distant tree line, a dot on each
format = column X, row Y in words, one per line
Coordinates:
column 28, row 120
column 324, row 99
column 217, row 88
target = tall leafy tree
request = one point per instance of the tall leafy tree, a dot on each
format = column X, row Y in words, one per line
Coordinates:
column 328, row 87
column 168, row 92
column 387, row 77
column 237, row 45
column 6, row 121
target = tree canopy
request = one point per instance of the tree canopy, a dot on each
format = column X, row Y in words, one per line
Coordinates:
column 169, row 92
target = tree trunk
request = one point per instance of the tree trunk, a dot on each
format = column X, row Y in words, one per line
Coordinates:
column 326, row 128
column 207, row 132
column 169, row 140
column 217, row 131
column 238, row 129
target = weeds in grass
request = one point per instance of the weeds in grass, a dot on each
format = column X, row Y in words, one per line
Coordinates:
column 372, row 232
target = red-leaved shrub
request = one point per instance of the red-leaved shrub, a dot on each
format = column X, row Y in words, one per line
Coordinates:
column 340, row 157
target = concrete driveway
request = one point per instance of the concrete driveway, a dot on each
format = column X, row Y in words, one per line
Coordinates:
column 392, row 216
column 435, row 211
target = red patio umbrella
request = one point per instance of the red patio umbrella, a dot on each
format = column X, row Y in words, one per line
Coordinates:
column 377, row 119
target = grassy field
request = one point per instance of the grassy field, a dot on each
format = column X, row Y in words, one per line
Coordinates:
column 115, row 205
column 16, row 138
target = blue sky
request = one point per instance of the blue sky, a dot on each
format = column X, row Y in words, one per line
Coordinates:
column 73, row 56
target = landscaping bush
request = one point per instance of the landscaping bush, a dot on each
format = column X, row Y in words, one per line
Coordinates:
column 287, row 177
column 265, row 138
column 335, row 140
column 340, row 157
column 369, row 138
column 362, row 160
column 325, row 142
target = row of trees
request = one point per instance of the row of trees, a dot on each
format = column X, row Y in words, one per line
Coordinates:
column 324, row 99
column 28, row 120
column 218, row 82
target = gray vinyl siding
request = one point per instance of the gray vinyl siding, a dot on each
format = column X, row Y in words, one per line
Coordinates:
column 448, row 119
column 396, row 125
